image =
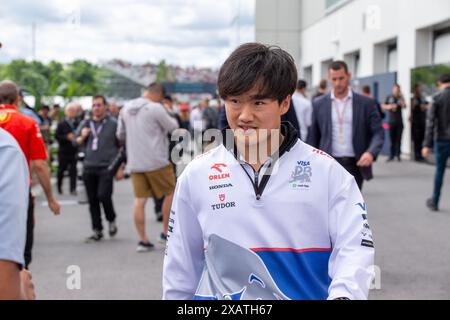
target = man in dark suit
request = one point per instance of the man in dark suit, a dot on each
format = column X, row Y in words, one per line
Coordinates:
column 68, row 149
column 347, row 125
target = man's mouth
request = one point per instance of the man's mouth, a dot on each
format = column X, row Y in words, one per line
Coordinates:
column 247, row 129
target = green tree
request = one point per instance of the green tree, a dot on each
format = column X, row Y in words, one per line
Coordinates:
column 79, row 78
column 162, row 72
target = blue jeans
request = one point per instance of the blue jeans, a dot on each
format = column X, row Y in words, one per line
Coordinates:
column 442, row 151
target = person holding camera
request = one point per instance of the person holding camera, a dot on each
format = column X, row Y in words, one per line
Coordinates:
column 99, row 137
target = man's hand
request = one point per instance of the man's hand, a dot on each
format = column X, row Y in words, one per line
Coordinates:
column 26, row 286
column 120, row 174
column 70, row 136
column 42, row 171
column 54, row 206
column 85, row 132
column 426, row 152
column 366, row 160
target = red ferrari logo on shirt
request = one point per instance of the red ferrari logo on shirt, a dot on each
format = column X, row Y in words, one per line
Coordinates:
column 5, row 117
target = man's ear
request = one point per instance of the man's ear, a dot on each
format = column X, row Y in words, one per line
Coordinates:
column 285, row 104
column 18, row 102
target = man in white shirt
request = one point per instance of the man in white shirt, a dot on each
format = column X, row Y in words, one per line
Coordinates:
column 285, row 223
column 303, row 109
column 14, row 188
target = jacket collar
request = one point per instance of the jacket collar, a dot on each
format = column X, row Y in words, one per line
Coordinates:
column 7, row 107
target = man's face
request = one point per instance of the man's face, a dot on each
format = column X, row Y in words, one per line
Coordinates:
column 71, row 112
column 419, row 90
column 339, row 80
column 396, row 91
column 98, row 108
column 44, row 112
column 113, row 108
column 247, row 115
column 168, row 104
column 203, row 104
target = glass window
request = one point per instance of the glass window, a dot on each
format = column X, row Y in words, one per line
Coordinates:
column 392, row 58
column 441, row 52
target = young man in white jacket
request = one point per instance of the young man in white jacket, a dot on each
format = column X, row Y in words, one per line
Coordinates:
column 264, row 215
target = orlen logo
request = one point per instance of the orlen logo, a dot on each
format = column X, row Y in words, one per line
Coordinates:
column 220, row 174
column 222, row 197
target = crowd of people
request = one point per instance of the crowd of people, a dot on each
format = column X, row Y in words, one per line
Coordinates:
column 112, row 142
column 147, row 72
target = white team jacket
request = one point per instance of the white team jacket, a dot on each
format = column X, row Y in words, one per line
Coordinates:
column 301, row 234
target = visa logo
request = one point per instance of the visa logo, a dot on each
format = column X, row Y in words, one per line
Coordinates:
column 303, row 163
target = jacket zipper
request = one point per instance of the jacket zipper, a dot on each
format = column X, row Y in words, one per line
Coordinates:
column 256, row 187
column 258, row 193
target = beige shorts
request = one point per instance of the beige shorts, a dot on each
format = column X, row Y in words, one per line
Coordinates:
column 154, row 184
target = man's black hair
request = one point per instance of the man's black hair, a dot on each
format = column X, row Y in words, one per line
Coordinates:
column 338, row 65
column 253, row 65
column 168, row 98
column 99, row 96
column 445, row 78
column 366, row 89
column 323, row 84
column 45, row 107
column 301, row 84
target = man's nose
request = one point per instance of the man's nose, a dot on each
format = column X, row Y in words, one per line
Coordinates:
column 246, row 114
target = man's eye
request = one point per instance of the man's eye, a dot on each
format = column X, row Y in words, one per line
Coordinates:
column 234, row 101
column 259, row 103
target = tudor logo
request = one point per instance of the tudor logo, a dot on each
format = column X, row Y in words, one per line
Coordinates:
column 218, row 167
column 222, row 197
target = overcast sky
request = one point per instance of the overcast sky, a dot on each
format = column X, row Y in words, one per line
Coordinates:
column 184, row 32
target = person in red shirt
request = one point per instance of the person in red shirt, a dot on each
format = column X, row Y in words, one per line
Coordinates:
column 26, row 131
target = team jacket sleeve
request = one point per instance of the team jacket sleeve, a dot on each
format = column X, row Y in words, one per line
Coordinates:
column 82, row 125
column 121, row 129
column 430, row 126
column 37, row 145
column 352, row 259
column 314, row 131
column 166, row 121
column 184, row 261
column 376, row 129
column 14, row 188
